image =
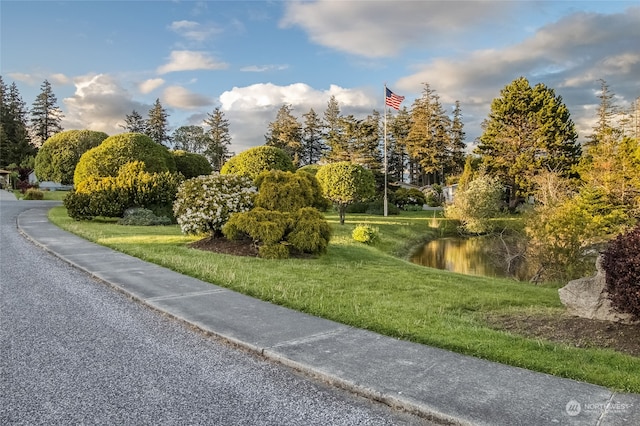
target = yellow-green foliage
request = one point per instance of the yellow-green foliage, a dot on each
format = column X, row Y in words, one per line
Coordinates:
column 310, row 232
column 58, row 156
column 365, row 234
column 288, row 192
column 132, row 187
column 252, row 162
column 306, row 230
column 107, row 158
column 344, row 183
column 33, row 194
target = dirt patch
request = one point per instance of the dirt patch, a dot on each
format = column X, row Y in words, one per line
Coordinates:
column 574, row 331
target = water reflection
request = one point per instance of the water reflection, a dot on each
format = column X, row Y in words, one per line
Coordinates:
column 486, row 256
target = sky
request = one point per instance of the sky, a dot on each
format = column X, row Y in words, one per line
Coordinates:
column 105, row 59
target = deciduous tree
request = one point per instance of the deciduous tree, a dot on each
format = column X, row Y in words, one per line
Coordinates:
column 344, row 183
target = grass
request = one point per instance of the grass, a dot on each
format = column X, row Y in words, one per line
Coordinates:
column 376, row 288
column 48, row 195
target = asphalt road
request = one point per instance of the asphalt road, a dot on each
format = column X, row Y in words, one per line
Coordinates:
column 74, row 351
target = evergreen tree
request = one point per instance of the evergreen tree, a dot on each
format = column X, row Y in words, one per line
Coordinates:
column 219, row 139
column 332, row 128
column 605, row 128
column 158, row 125
column 286, row 133
column 367, row 144
column 428, row 137
column 456, row 154
column 46, row 116
column 528, row 130
column 15, row 143
column 134, row 123
column 397, row 157
column 312, row 140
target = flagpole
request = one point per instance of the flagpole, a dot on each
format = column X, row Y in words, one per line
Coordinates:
column 386, row 208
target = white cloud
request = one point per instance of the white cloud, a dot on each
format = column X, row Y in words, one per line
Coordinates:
column 150, row 85
column 569, row 56
column 179, row 97
column 250, row 109
column 187, row 60
column 29, row 79
column 59, row 79
column 382, row 28
column 194, row 30
column 99, row 103
column 263, row 68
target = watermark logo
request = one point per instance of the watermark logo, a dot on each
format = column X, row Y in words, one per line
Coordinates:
column 573, row 408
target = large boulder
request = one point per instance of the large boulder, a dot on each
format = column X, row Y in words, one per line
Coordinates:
column 588, row 298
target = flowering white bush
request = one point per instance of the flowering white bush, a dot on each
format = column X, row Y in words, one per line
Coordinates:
column 205, row 203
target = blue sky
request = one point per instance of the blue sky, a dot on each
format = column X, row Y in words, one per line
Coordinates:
column 105, row 59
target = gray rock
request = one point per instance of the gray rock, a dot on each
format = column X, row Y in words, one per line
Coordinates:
column 588, row 298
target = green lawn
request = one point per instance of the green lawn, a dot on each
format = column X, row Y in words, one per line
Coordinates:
column 48, row 195
column 375, row 288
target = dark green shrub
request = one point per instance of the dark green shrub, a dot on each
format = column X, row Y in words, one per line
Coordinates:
column 115, row 151
column 191, row 165
column 254, row 161
column 77, row 205
column 137, row 216
column 33, row 194
column 621, row 262
column 288, row 192
column 58, row 156
column 376, row 207
column 409, row 197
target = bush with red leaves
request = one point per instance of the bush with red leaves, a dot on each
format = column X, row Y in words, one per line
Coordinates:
column 622, row 266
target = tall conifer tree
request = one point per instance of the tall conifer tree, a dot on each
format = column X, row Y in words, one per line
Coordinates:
column 158, row 124
column 218, row 140
column 46, row 116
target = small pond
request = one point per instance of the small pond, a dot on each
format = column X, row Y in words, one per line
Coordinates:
column 485, row 256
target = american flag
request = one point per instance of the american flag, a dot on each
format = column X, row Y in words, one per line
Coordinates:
column 393, row 100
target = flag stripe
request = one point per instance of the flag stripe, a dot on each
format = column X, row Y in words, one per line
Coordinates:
column 393, row 100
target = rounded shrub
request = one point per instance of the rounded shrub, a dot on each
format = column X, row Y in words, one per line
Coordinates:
column 344, row 183
column 191, row 165
column 252, row 162
column 132, row 187
column 365, row 234
column 115, row 151
column 288, row 192
column 409, row 197
column 33, row 194
column 58, row 156
column 205, row 203
column 305, row 231
column 621, row 262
